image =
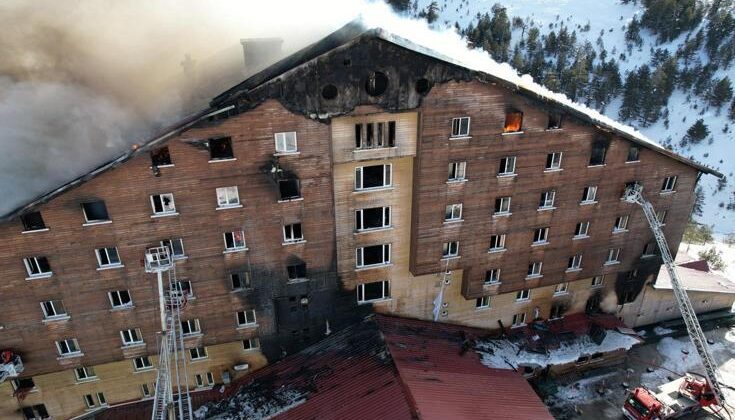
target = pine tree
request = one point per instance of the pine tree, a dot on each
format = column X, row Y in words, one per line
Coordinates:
column 633, row 32
column 732, row 110
column 698, row 207
column 697, row 132
column 721, row 92
column 630, row 107
column 669, row 18
column 649, row 104
column 431, row 14
column 518, row 62
column 499, row 33
column 400, row 6
column 721, row 24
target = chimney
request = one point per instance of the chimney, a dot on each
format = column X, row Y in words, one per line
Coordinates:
column 259, row 53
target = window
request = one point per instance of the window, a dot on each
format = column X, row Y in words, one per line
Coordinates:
column 482, row 302
column 35, row 412
column 513, row 121
column 369, row 292
column 372, row 218
column 669, row 184
column 246, row 318
column 53, row 309
column 554, row 121
column 589, row 194
column 649, row 250
column 286, row 142
column 553, row 161
column 101, row 398
column 108, row 257
column 160, row 157
column 661, row 216
column 84, row 374
column 184, row 287
column 292, row 233
column 523, row 294
column 613, row 256
column 89, row 401
column 598, row 281
column 220, row 148
column 175, row 247
column 575, row 262
column 23, row 383
column 190, row 327
column 120, row 299
column 507, row 166
column 628, row 186
column 557, row 312
column 227, row 197
column 453, row 212
column 492, row 276
column 95, row 212
column 497, row 242
column 519, row 320
column 376, row 176
column 234, row 240
column 375, row 135
column 296, row 271
column 288, row 189
column 581, row 230
column 240, row 280
column 561, row 288
column 163, row 204
column 206, row 380
column 541, row 236
column 131, row 337
column 142, row 363
column 534, row 269
column 32, row 221
column 145, row 390
column 450, row 249
column 621, row 224
column 251, row 344
column 461, row 127
column 599, row 150
column 633, row 154
column 502, row 206
column 457, row 171
column 68, row 347
column 198, row 353
column 547, row 200
column 37, row 267
column 373, row 255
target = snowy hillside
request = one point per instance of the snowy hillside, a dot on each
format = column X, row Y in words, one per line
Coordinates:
column 604, row 23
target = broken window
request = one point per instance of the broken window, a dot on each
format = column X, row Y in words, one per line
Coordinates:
column 53, row 309
column 540, row 235
column 453, row 212
column 286, row 142
column 547, row 200
column 621, row 224
column 35, row 412
column 369, row 292
column 628, row 186
column 482, row 302
column 183, row 287
column 251, row 344
column 376, row 176
column 358, row 136
column 497, row 242
column 228, row 197
column 175, row 246
column 160, row 157
column 142, row 363
column 246, row 318
column 292, row 233
column 23, row 383
column 373, row 255
column 37, row 266
column 507, row 166
column 589, row 194
column 32, row 221
column 376, row 83
column 372, row 218
column 575, row 262
column 95, row 211
column 523, row 294
column 296, row 271
column 661, row 216
column 554, row 121
column 234, row 240
column 200, row 380
column 519, row 320
column 534, row 269
column 649, row 250
column 556, row 312
column 629, row 296
column 450, row 249
column 593, row 304
column 599, row 150
column 457, row 171
column 461, row 127
column 582, row 229
column 492, row 276
column 669, row 184
column 120, row 299
column 633, row 153
column 288, row 189
column 108, row 257
column 513, row 120
column 131, row 337
column 240, row 280
column 561, row 288
column 391, row 134
column 190, row 327
column 502, row 206
column 553, row 161
column 220, row 148
column 598, row 281
column 163, row 204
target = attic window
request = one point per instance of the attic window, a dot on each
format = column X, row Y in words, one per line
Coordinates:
column 513, row 120
column 633, row 153
column 376, row 83
column 220, row 148
column 599, row 150
column 554, row 121
column 289, row 189
column 95, row 211
column 32, row 221
column 160, row 157
column 423, row 86
column 329, row 92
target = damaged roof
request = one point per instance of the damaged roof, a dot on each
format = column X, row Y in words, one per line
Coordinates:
column 485, row 70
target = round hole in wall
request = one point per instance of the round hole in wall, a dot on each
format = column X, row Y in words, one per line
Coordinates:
column 329, row 92
column 423, row 86
column 376, row 83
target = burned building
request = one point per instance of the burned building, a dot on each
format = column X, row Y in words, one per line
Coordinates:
column 364, row 171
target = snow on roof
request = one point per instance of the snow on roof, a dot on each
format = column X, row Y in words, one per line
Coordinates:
column 694, row 280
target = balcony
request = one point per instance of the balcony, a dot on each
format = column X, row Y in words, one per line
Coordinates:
column 11, row 365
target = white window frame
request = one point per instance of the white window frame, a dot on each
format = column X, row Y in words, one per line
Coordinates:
column 589, row 194
column 459, row 133
column 483, row 302
column 98, row 253
column 170, row 244
column 95, row 221
column 199, row 380
column 88, row 374
column 57, row 313
column 669, row 184
column 499, row 239
column 244, row 278
column 196, row 330
column 575, row 263
column 561, row 288
column 228, row 197
column 494, row 276
column 555, row 162
column 454, row 211
column 131, row 337
column 387, row 177
column 385, row 292
column 145, row 390
column 235, row 247
column 504, row 209
column 536, row 269
column 541, row 239
column 548, row 203
column 360, row 215
column 286, row 142
column 449, row 245
column 598, row 281
column 177, row 285
column 89, row 401
column 289, row 235
column 74, row 343
column 519, row 320
column 201, row 353
column 360, row 256
column 584, row 233
column 101, row 399
column 507, row 166
column 164, row 211
column 613, row 256
column 247, row 323
column 661, row 217
column 31, row 262
column 117, row 293
column 523, row 295
column 252, row 344
column 145, row 364
column 457, row 171
column 621, row 224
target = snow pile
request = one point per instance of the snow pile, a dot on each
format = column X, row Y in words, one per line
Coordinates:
column 252, row 403
column 584, row 390
column 659, row 330
column 503, row 354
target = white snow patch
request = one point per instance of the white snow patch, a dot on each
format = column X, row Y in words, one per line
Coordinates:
column 583, row 390
column 730, row 336
column 659, row 330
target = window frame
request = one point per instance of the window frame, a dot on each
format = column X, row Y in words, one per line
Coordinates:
column 282, row 143
column 669, row 184
column 57, row 314
column 197, row 330
column 387, row 176
column 505, row 163
column 553, row 162
column 360, row 218
column 253, row 344
column 87, row 220
column 637, row 154
column 289, row 233
column 621, row 223
column 578, row 231
column 457, row 171
column 590, row 190
column 613, row 252
column 458, row 133
column 575, row 263
column 523, row 295
column 228, row 145
column 226, row 193
column 661, row 216
column 164, row 211
column 77, row 350
column 87, row 375
column 544, row 201
column 561, row 288
column 244, row 280
column 501, row 202
column 145, row 363
column 134, row 335
column 119, row 297
column 509, row 115
column 453, row 214
column 32, row 263
column 360, row 256
column 493, row 275
column 162, row 153
column 598, row 281
column 247, row 323
column 233, row 235
column 521, row 316
column 201, row 353
column 109, row 264
column 449, row 253
column 499, row 242
column 483, row 302
column 533, row 272
column 385, row 292
column 540, row 236
column 29, row 225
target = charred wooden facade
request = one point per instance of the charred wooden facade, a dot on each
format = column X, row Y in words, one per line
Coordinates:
column 316, row 147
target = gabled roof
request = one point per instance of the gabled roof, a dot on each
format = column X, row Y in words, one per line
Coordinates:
column 485, row 70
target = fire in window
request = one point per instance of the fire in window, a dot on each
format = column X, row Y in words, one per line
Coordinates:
column 513, row 121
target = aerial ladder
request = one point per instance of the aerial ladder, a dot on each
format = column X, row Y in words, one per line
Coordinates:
column 172, row 399
column 693, row 393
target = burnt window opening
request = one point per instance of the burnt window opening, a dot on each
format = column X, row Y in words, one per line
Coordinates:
column 220, row 148
column 32, row 221
column 347, row 62
column 296, row 271
column 557, row 311
column 593, row 304
column 23, row 383
column 629, row 185
column 160, row 157
column 599, row 151
column 240, row 280
column 513, row 122
column 95, row 211
column 633, row 153
column 376, row 83
column 423, row 86
column 329, row 92
column 629, row 296
column 373, row 255
column 649, row 250
column 372, row 218
column 35, row 412
column 288, row 189
column 376, row 176
column 369, row 292
column 555, row 120
column 375, row 135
